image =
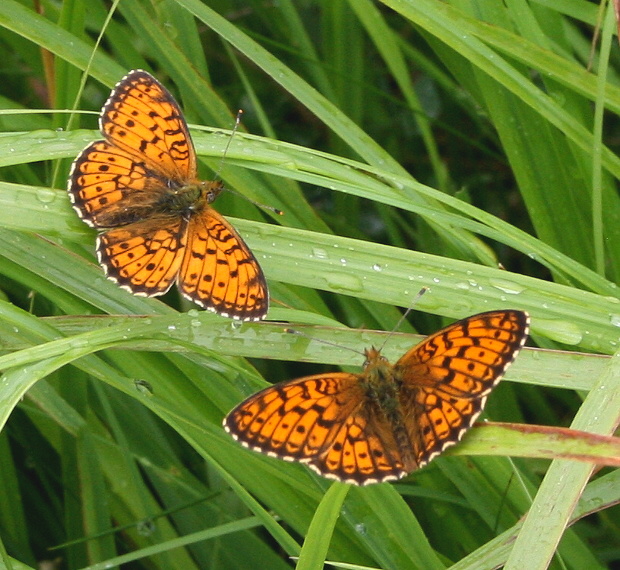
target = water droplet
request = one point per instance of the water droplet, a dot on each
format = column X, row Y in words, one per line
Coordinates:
column 46, row 195
column 172, row 327
column 319, row 253
column 377, row 267
column 145, row 527
column 344, row 282
column 343, row 261
column 560, row 330
column 143, row 387
column 506, row 286
column 614, row 320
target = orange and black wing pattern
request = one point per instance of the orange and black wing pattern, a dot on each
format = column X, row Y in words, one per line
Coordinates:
column 446, row 378
column 142, row 118
column 296, row 420
column 324, row 421
column 219, row 272
column 147, row 149
column 144, row 257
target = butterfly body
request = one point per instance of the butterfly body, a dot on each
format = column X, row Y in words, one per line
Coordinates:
column 188, row 200
column 388, row 420
column 139, row 186
column 385, row 403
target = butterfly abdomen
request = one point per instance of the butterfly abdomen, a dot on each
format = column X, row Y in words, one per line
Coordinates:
column 138, row 211
column 383, row 389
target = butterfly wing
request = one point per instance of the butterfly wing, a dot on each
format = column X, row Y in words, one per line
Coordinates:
column 363, row 451
column 219, row 272
column 388, row 421
column 141, row 181
column 142, row 118
column 144, row 257
column 109, row 187
column 446, row 378
column 296, row 420
column 147, row 152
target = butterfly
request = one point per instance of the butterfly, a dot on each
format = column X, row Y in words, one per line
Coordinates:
column 391, row 419
column 139, row 186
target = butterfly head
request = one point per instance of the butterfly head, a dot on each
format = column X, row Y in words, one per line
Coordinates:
column 375, row 361
column 193, row 197
column 211, row 189
column 373, row 354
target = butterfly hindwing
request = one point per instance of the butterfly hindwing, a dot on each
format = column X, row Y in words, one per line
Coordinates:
column 108, row 188
column 219, row 272
column 144, row 257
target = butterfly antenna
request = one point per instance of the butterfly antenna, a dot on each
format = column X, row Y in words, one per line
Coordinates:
column 232, row 134
column 221, row 167
column 322, row 341
column 404, row 315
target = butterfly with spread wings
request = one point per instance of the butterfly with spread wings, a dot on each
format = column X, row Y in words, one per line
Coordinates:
column 391, row 419
column 139, row 186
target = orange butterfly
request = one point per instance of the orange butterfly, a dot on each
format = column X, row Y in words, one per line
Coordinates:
column 391, row 419
column 140, row 185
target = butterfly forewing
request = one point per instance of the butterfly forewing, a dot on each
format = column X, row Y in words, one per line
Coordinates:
column 468, row 357
column 297, row 420
column 142, row 118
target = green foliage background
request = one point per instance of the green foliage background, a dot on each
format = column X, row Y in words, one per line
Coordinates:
column 469, row 146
